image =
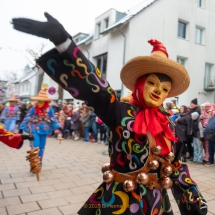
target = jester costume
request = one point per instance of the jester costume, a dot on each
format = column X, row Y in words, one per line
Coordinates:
column 10, row 114
column 144, row 162
column 40, row 121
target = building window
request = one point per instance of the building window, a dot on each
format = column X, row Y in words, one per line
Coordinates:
column 182, row 27
column 181, row 61
column 106, row 23
column 98, row 30
column 201, row 3
column 27, row 86
column 199, row 35
column 209, row 78
column 102, row 64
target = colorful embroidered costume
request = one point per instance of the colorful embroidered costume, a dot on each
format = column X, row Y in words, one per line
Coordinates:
column 10, row 115
column 41, row 121
column 142, row 164
column 128, row 152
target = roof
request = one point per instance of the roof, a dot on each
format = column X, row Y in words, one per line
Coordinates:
column 130, row 14
column 86, row 40
column 30, row 73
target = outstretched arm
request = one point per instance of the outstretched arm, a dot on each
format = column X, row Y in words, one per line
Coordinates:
column 71, row 69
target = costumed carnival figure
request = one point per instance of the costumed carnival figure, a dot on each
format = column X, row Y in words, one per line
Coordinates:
column 144, row 162
column 13, row 140
column 40, row 121
column 10, row 114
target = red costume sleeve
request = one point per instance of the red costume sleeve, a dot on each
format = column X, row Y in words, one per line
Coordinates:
column 11, row 139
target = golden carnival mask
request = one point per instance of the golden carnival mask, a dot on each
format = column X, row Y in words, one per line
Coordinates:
column 155, row 91
column 40, row 103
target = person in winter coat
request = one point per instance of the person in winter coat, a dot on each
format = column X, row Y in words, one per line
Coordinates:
column 94, row 126
column 55, row 106
column 183, row 130
column 75, row 123
column 210, row 128
column 207, row 113
column 61, row 121
column 86, row 120
column 169, row 108
column 197, row 138
column 143, row 160
column 194, row 106
column 67, row 127
column 24, row 111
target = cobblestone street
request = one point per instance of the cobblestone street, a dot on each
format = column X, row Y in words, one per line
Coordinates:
column 70, row 174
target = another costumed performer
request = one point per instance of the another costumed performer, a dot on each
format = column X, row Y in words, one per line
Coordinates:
column 41, row 120
column 10, row 114
column 13, row 140
column 144, row 162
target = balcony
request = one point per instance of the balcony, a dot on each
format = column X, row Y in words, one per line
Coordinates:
column 209, row 83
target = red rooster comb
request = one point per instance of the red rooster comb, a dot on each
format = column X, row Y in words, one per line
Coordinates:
column 158, row 46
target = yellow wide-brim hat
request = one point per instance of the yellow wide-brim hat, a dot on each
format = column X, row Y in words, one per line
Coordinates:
column 13, row 99
column 42, row 96
column 158, row 62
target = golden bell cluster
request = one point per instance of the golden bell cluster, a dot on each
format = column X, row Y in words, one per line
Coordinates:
column 142, row 177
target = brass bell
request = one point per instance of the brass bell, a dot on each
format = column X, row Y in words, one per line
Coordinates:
column 105, row 167
column 153, row 165
column 167, row 170
column 157, row 150
column 166, row 183
column 170, row 157
column 142, row 178
column 108, row 176
column 128, row 185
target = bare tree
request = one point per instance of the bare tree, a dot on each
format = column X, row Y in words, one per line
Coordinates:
column 35, row 55
column 11, row 76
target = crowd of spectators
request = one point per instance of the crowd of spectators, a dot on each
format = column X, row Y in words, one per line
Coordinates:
column 195, row 126
column 79, row 121
column 195, row 130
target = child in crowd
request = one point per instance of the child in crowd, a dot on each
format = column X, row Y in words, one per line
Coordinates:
column 197, row 138
column 61, row 120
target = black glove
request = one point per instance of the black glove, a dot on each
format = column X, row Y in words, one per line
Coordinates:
column 20, row 131
column 51, row 29
column 27, row 137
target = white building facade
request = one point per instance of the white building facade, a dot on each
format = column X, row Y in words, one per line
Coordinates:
column 185, row 27
column 26, row 86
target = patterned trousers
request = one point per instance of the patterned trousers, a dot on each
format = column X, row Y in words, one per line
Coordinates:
column 206, row 150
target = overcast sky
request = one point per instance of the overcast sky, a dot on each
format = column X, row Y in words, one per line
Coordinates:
column 76, row 16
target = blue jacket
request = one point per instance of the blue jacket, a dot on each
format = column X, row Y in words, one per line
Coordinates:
column 42, row 127
column 210, row 126
column 6, row 112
